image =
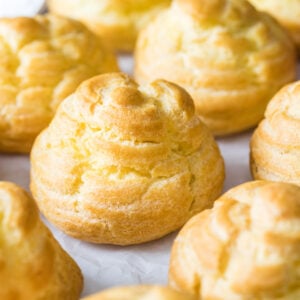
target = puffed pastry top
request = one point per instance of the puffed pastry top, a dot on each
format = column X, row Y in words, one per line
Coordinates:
column 125, row 164
column 116, row 21
column 231, row 58
column 246, row 247
column 42, row 60
column 287, row 12
column 275, row 144
column 33, row 266
column 142, row 292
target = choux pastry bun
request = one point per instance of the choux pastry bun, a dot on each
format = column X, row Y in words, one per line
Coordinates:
column 275, row 144
column 125, row 164
column 142, row 292
column 286, row 12
column 116, row 21
column 32, row 264
column 42, row 61
column 231, row 58
column 246, row 247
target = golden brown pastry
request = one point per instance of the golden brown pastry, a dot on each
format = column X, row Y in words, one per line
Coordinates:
column 125, row 164
column 287, row 12
column 229, row 57
column 246, row 247
column 116, row 21
column 42, row 61
column 33, row 266
column 275, row 145
column 142, row 292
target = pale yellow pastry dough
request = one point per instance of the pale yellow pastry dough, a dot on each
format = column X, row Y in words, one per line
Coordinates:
column 124, row 164
column 33, row 266
column 142, row 292
column 246, row 247
column 287, row 12
column 229, row 57
column 116, row 21
column 275, row 145
column 42, row 60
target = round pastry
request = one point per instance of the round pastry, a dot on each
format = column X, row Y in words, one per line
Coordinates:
column 42, row 60
column 141, row 292
column 125, row 164
column 229, row 57
column 32, row 264
column 116, row 21
column 275, row 145
column 246, row 247
column 286, row 12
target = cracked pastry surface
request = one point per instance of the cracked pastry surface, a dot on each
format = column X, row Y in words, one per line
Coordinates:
column 142, row 292
column 124, row 164
column 246, row 247
column 32, row 263
column 275, row 144
column 286, row 12
column 231, row 59
column 42, row 61
column 116, row 21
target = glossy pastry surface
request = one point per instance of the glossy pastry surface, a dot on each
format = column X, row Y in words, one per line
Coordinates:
column 275, row 144
column 116, row 21
column 141, row 292
column 286, row 12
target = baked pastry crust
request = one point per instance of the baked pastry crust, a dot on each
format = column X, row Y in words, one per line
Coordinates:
column 42, row 61
column 286, row 12
column 116, row 21
column 124, row 164
column 32, row 263
column 275, row 144
column 229, row 57
column 246, row 247
column 141, row 292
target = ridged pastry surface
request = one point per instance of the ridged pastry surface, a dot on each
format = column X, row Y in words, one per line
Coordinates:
column 124, row 164
column 275, row 144
column 32, row 264
column 116, row 21
column 246, row 247
column 231, row 58
column 42, row 61
column 141, row 292
column 286, row 12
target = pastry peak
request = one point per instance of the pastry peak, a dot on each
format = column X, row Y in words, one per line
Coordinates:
column 217, row 11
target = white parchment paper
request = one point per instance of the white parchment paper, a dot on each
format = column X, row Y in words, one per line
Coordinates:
column 12, row 8
column 106, row 266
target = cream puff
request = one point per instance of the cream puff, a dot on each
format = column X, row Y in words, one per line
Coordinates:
column 246, row 247
column 32, row 263
column 42, row 61
column 124, row 164
column 231, row 58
